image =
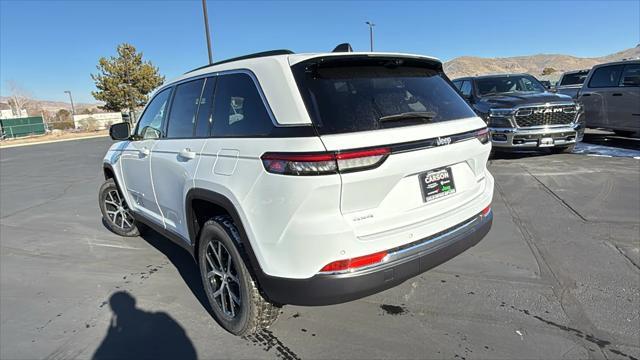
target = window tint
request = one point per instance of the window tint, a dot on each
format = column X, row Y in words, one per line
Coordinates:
column 184, row 109
column 631, row 75
column 607, row 76
column 203, row 123
column 150, row 124
column 574, row 78
column 465, row 89
column 376, row 88
column 238, row 108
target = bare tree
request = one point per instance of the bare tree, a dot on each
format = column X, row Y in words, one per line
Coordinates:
column 19, row 97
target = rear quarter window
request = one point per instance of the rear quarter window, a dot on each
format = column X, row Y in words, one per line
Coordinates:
column 351, row 96
column 238, row 109
column 606, row 76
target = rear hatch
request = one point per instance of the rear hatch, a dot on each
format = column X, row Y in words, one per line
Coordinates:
column 430, row 148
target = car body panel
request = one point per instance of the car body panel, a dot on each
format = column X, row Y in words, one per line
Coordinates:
column 613, row 107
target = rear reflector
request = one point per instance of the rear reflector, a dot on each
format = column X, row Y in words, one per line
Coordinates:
column 485, row 211
column 324, row 163
column 354, row 263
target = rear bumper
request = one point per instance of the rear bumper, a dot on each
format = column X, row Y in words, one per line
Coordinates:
column 404, row 263
column 518, row 138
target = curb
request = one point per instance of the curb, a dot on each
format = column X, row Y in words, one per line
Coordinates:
column 52, row 141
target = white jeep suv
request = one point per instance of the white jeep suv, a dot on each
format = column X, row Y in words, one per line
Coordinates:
column 305, row 179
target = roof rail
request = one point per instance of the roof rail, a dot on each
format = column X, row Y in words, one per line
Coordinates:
column 244, row 57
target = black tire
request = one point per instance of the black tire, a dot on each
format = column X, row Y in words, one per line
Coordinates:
column 563, row 149
column 111, row 200
column 219, row 239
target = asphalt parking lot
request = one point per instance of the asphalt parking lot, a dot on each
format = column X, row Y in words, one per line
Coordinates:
column 558, row 276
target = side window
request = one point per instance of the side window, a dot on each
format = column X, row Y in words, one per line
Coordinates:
column 238, row 108
column 527, row 85
column 606, row 76
column 631, row 75
column 184, row 109
column 465, row 89
column 150, row 124
column 457, row 84
column 203, row 123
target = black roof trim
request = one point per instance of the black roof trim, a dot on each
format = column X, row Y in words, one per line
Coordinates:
column 244, row 57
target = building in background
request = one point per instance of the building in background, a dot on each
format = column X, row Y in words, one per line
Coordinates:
column 6, row 112
column 97, row 121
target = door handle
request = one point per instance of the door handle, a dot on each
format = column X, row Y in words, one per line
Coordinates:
column 617, row 94
column 585, row 95
column 144, row 151
column 187, row 153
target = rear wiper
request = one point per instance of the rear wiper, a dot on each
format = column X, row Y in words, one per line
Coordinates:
column 422, row 115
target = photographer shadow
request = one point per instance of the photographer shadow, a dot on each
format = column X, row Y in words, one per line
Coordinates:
column 137, row 334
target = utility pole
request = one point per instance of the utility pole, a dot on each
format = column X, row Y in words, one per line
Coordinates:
column 371, row 25
column 206, row 29
column 73, row 109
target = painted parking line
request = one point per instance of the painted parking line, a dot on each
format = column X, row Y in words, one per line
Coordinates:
column 53, row 141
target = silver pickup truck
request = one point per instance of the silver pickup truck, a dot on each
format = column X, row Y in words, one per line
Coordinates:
column 571, row 82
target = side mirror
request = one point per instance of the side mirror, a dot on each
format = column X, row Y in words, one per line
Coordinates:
column 120, row 131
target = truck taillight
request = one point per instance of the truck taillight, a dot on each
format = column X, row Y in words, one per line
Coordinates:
column 325, row 162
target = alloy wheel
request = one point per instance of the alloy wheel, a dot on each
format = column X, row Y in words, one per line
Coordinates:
column 223, row 278
column 118, row 211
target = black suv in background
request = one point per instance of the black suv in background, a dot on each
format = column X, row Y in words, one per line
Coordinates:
column 522, row 114
column 571, row 82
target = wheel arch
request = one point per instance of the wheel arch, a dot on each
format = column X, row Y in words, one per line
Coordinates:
column 108, row 172
column 219, row 201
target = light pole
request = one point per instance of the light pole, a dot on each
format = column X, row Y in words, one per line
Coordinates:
column 73, row 109
column 371, row 25
column 206, row 29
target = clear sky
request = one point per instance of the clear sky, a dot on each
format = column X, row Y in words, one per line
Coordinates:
column 48, row 47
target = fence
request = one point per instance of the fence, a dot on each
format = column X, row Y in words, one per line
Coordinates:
column 12, row 128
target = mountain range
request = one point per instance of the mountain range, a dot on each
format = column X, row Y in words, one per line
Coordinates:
column 533, row 64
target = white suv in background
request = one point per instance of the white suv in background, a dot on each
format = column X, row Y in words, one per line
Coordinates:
column 305, row 179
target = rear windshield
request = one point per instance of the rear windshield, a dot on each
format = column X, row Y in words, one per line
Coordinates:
column 574, row 79
column 353, row 95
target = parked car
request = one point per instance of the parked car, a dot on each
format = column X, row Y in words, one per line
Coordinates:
column 547, row 84
column 306, row 179
column 521, row 114
column 571, row 82
column 611, row 97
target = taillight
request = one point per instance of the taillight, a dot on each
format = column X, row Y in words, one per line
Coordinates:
column 361, row 159
column 483, row 135
column 355, row 263
column 299, row 164
column 324, row 163
column 485, row 211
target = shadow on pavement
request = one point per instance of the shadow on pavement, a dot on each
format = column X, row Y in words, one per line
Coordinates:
column 137, row 334
column 183, row 261
column 611, row 139
column 512, row 155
